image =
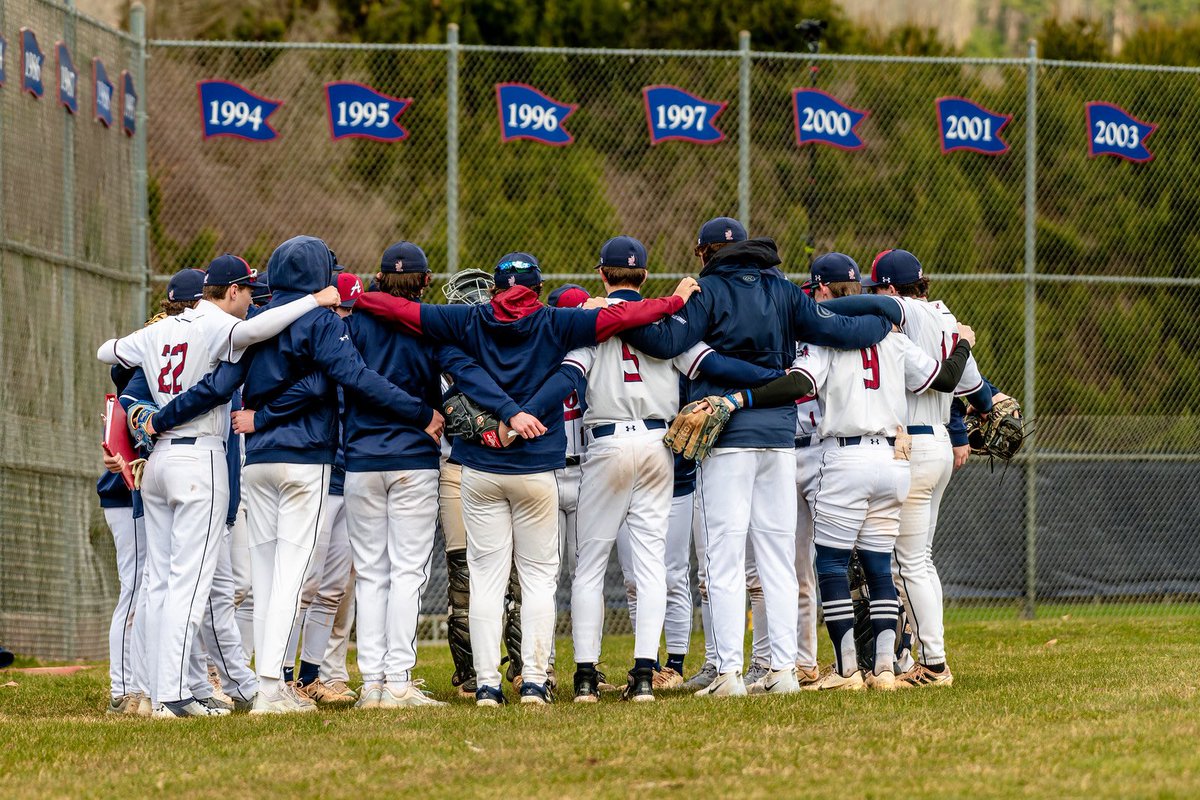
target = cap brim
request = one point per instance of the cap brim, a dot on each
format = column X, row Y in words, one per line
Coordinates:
column 866, row 281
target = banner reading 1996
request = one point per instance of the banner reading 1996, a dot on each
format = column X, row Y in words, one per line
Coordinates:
column 526, row 113
column 673, row 113
column 823, row 119
column 232, row 110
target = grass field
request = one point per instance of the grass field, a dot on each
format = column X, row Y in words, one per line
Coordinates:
column 1088, row 704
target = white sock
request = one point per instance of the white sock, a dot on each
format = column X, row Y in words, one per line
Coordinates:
column 848, row 662
column 885, row 651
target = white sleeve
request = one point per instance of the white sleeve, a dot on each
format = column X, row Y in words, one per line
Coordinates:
column 688, row 362
column 971, row 381
column 581, row 358
column 813, row 362
column 920, row 369
column 126, row 351
column 262, row 326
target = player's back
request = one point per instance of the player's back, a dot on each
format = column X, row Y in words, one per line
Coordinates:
column 934, row 329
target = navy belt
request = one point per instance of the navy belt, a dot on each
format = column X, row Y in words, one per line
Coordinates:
column 609, row 428
column 804, row 441
column 850, row 441
column 182, row 440
column 572, row 461
column 918, row 430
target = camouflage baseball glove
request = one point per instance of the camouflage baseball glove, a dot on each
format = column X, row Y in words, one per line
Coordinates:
column 1000, row 434
column 139, row 417
column 468, row 421
column 696, row 427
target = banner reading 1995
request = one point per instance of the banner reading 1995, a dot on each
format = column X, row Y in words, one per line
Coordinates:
column 673, row 113
column 823, row 119
column 228, row 109
column 526, row 113
column 361, row 112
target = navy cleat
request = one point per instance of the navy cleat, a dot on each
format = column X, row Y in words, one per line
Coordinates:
column 489, row 696
column 536, row 694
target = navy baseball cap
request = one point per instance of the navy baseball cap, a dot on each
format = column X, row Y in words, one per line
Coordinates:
column 832, row 268
column 894, row 268
column 622, row 251
column 403, row 258
column 721, row 230
column 186, row 285
column 518, row 269
column 569, row 295
column 228, row 270
column 260, row 293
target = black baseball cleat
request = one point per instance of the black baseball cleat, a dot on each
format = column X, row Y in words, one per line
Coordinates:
column 640, row 688
column 587, row 686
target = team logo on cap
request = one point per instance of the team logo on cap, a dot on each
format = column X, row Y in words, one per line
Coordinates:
column 850, row 272
column 729, row 234
column 632, row 260
column 399, row 265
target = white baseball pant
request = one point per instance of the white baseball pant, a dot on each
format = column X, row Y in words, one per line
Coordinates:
column 315, row 625
column 286, row 505
column 627, row 479
column 860, row 490
column 243, row 594
column 760, row 639
column 332, row 585
column 511, row 516
column 391, row 517
column 185, row 492
column 220, row 637
column 677, row 624
column 700, row 542
column 808, row 462
column 931, row 465
column 129, row 539
column 333, row 667
column 568, row 479
column 740, row 491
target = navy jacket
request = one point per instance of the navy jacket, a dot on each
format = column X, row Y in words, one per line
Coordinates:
column 758, row 317
column 318, row 340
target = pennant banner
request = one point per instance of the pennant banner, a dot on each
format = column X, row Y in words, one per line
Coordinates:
column 1113, row 131
column 3, row 59
column 228, row 109
column 102, row 94
column 361, row 112
column 964, row 125
column 68, row 78
column 673, row 113
column 526, row 113
column 31, row 63
column 823, row 119
column 129, row 100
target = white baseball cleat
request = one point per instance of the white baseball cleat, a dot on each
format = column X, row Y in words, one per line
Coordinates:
column 285, row 701
column 408, row 697
column 727, row 684
column 145, row 708
column 780, row 681
column 831, row 679
column 370, row 697
column 882, row 682
column 191, row 708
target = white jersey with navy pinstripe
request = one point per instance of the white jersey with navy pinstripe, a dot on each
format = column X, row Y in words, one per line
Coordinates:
column 573, row 424
column 935, row 330
column 862, row 392
column 808, row 409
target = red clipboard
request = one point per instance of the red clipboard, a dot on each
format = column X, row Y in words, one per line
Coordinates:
column 116, row 436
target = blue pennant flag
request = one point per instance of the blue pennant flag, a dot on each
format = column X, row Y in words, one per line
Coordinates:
column 359, row 111
column 32, row 61
column 823, row 119
column 228, row 109
column 68, row 78
column 3, row 59
column 129, row 101
column 673, row 113
column 526, row 113
column 964, row 125
column 102, row 94
column 1113, row 131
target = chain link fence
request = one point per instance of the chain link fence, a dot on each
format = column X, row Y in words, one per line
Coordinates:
column 71, row 275
column 1082, row 310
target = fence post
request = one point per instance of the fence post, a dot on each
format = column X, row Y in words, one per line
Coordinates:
column 66, row 328
column 744, row 129
column 1030, row 608
column 452, row 148
column 141, row 222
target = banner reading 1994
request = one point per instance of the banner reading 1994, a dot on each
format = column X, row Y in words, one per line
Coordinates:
column 526, row 113
column 823, row 119
column 232, row 110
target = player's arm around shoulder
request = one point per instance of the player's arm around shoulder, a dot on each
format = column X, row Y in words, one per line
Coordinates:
column 849, row 323
column 673, row 334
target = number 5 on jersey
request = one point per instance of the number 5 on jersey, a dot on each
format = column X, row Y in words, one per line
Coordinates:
column 168, row 378
column 630, row 365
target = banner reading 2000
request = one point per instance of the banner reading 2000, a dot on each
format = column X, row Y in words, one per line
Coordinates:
column 823, row 119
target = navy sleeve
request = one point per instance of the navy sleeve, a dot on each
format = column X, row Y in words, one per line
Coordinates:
column 548, row 400
column 136, row 390
column 957, row 428
column 731, row 371
column 575, row 327
column 475, row 382
column 982, row 397
column 445, row 323
column 818, row 325
column 301, row 396
column 215, row 388
column 862, row 305
column 673, row 334
column 337, row 357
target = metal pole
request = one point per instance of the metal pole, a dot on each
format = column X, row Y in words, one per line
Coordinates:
column 1030, row 608
column 452, row 148
column 77, row 531
column 141, row 223
column 744, row 129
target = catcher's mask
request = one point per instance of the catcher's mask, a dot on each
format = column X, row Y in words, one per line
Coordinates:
column 469, row 287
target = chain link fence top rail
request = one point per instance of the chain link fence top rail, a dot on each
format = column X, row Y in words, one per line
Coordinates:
column 68, row 280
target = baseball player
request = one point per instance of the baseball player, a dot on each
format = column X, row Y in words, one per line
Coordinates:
column 745, row 311
column 933, row 328
column 185, row 479
column 510, row 500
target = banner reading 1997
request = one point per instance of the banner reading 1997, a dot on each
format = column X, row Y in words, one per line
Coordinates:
column 823, row 119
column 673, row 113
column 526, row 113
column 232, row 110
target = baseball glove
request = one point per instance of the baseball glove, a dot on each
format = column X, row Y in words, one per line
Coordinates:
column 696, row 427
column 1000, row 434
column 468, row 421
column 139, row 417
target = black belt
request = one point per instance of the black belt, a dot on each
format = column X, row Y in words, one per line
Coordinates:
column 918, row 430
column 572, row 461
column 182, row 440
column 805, row 441
column 850, row 441
column 609, row 428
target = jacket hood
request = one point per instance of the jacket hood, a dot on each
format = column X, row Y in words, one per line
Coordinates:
column 302, row 265
column 760, row 254
column 515, row 304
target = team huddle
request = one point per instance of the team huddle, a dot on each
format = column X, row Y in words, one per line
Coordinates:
column 304, row 439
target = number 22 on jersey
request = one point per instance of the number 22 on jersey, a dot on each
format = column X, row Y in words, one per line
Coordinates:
column 168, row 378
